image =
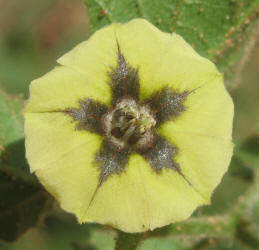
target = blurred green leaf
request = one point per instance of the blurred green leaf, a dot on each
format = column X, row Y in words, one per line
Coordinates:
column 22, row 201
column 217, row 29
column 247, row 235
column 255, row 217
column 225, row 196
column 256, row 213
column 248, row 151
column 102, row 239
column 219, row 226
column 12, row 151
column 77, row 246
column 21, row 206
column 11, row 119
column 33, row 34
column 218, row 244
column 160, row 244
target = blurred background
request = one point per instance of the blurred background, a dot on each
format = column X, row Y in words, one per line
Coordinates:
column 33, row 34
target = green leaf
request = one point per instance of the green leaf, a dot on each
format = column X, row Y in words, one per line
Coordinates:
column 225, row 196
column 21, row 206
column 11, row 122
column 12, row 152
column 217, row 29
column 22, row 200
column 205, row 226
column 248, row 151
column 256, row 213
column 160, row 244
column 221, row 244
column 78, row 246
column 61, row 232
column 102, row 239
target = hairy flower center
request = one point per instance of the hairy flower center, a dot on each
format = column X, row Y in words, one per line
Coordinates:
column 129, row 124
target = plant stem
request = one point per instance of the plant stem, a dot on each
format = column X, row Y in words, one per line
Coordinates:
column 127, row 241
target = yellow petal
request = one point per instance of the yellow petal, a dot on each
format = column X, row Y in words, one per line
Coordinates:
column 182, row 68
column 62, row 158
column 94, row 56
column 51, row 136
column 140, row 199
column 63, row 87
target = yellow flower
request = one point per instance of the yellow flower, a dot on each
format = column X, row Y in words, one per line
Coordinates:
column 133, row 129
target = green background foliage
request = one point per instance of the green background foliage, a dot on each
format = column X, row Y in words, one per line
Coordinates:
column 34, row 33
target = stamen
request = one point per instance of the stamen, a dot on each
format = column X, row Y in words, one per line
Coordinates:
column 128, row 123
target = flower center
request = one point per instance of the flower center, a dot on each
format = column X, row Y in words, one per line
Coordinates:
column 129, row 124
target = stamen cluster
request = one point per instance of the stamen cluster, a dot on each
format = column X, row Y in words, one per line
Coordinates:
column 130, row 125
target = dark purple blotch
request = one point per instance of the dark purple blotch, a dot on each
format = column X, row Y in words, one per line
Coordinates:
column 124, row 80
column 111, row 160
column 88, row 115
column 167, row 104
column 160, row 154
